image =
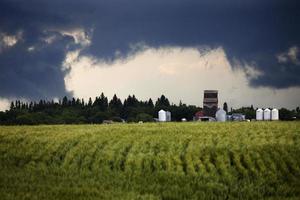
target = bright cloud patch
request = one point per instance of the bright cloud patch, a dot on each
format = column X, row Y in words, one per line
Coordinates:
column 291, row 55
column 7, row 41
column 4, row 104
column 180, row 74
column 79, row 35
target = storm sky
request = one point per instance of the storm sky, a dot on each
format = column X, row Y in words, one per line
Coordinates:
column 248, row 50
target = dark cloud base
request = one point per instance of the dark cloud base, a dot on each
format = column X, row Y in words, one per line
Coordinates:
column 251, row 32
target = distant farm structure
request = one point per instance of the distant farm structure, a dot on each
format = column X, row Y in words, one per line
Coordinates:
column 211, row 111
column 267, row 114
column 210, row 103
column 164, row 116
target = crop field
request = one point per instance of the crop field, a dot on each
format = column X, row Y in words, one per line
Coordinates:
column 257, row 160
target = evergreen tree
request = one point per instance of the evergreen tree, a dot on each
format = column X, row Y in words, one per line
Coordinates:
column 78, row 102
column 90, row 102
column 18, row 104
column 73, row 103
column 103, row 102
column 180, row 103
column 162, row 102
column 225, row 107
column 116, row 105
column 12, row 106
column 65, row 101
column 31, row 106
column 150, row 103
column 131, row 101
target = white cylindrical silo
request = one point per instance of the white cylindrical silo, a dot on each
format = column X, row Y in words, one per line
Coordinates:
column 274, row 114
column 162, row 116
column 259, row 114
column 168, row 114
column 221, row 115
column 267, row 114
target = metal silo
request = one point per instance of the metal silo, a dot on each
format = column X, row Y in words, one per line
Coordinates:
column 259, row 114
column 267, row 114
column 274, row 114
column 221, row 115
column 168, row 116
column 162, row 116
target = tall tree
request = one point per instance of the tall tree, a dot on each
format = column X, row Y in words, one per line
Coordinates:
column 73, row 103
column 150, row 103
column 115, row 105
column 103, row 102
column 12, row 106
column 162, row 102
column 65, row 101
column 90, row 102
column 225, row 107
column 131, row 101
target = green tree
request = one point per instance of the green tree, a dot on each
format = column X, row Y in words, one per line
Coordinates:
column 225, row 107
column 162, row 102
column 65, row 101
column 150, row 103
column 90, row 102
column 144, row 117
column 115, row 105
column 285, row 114
column 103, row 102
column 12, row 105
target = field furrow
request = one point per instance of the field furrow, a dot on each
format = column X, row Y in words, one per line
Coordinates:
column 257, row 160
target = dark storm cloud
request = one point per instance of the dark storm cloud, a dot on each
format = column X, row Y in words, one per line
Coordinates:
column 250, row 31
column 33, row 74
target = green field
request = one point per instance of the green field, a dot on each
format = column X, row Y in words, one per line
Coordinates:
column 259, row 160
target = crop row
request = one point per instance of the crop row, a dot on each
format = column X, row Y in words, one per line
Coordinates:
column 167, row 161
column 188, row 155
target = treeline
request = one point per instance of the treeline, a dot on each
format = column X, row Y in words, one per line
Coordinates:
column 77, row 111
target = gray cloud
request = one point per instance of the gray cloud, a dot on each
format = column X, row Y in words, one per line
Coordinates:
column 252, row 32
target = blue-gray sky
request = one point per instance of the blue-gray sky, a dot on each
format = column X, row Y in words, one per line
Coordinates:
column 38, row 35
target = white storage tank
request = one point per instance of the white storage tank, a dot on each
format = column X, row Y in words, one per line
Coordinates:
column 162, row 116
column 274, row 114
column 168, row 116
column 267, row 114
column 221, row 115
column 259, row 114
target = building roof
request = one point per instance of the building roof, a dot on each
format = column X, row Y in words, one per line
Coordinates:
column 210, row 91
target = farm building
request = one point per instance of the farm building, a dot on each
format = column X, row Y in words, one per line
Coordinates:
column 210, row 102
column 198, row 115
column 164, row 116
column 221, row 115
column 274, row 114
column 259, row 114
column 236, row 117
column 267, row 114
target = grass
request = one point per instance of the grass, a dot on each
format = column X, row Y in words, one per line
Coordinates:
column 257, row 160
